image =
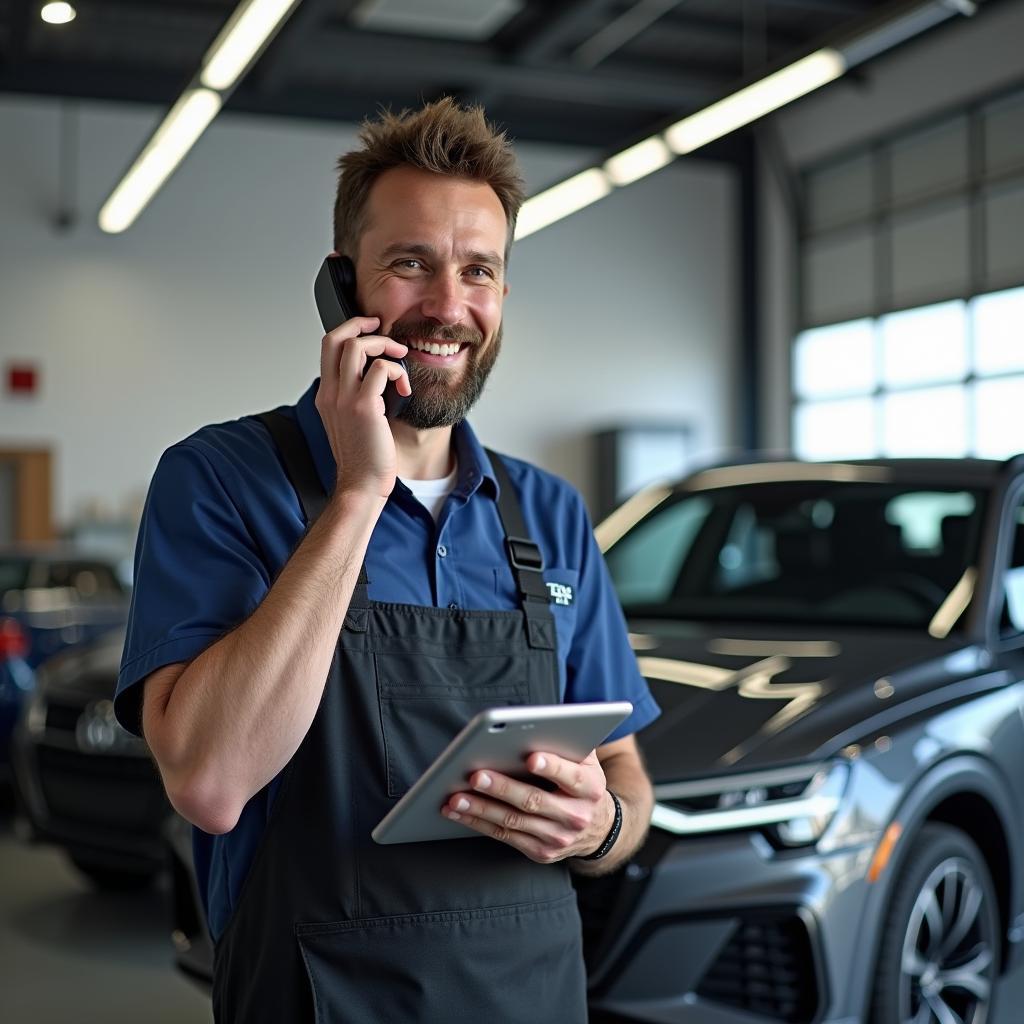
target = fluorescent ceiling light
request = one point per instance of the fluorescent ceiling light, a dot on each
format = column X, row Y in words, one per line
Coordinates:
column 184, row 123
column 755, row 101
column 562, row 199
column 241, row 39
column 638, row 161
column 57, row 14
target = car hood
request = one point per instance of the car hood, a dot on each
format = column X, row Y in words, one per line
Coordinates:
column 84, row 673
column 735, row 698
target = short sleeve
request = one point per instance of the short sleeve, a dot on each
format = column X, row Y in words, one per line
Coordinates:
column 198, row 573
column 601, row 664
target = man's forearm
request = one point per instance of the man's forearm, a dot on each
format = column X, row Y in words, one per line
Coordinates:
column 238, row 713
column 627, row 779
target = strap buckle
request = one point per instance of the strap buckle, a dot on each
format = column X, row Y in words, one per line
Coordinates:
column 524, row 554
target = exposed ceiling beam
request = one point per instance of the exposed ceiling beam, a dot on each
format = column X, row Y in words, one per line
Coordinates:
column 840, row 8
column 433, row 64
column 279, row 64
column 561, row 28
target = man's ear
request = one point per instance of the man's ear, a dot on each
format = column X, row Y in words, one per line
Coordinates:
column 505, row 292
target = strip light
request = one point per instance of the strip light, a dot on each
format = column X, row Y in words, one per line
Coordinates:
column 178, row 131
column 252, row 25
column 562, row 199
column 241, row 39
column 753, row 102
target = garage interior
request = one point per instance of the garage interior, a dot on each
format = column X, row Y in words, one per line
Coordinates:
column 741, row 299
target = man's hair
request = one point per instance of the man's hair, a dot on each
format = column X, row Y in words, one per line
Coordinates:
column 441, row 137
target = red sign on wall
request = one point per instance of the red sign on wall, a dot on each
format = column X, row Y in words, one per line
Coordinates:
column 22, row 379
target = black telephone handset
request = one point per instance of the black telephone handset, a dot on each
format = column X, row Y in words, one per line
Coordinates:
column 334, row 290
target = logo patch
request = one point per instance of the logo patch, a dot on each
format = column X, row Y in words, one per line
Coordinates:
column 561, row 593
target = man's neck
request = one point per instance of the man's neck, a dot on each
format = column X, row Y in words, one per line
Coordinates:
column 423, row 454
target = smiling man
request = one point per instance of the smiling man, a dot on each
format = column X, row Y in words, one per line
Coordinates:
column 325, row 595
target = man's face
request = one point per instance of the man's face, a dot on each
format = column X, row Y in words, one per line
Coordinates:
column 430, row 265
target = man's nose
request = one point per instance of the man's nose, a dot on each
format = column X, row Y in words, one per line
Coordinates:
column 444, row 300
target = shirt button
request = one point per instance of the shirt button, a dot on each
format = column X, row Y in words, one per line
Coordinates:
column 453, row 606
column 441, row 551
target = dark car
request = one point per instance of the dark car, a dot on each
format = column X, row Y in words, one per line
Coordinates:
column 83, row 782
column 51, row 598
column 838, row 651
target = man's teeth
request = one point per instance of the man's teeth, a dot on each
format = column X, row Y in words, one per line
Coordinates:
column 435, row 349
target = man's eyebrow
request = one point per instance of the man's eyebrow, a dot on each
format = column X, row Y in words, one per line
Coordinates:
column 490, row 259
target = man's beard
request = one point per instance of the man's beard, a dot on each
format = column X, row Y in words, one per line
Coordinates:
column 442, row 397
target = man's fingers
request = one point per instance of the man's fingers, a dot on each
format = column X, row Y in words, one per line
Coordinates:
column 356, row 351
column 535, row 847
column 383, row 370
column 333, row 341
column 584, row 780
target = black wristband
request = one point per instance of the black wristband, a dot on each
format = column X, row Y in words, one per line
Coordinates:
column 613, row 832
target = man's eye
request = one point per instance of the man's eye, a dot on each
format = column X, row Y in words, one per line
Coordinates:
column 409, row 264
column 479, row 272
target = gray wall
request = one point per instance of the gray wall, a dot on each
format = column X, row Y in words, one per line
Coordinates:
column 203, row 311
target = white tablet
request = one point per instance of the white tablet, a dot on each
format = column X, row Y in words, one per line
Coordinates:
column 499, row 739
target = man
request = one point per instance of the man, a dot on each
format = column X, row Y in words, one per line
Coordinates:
column 289, row 697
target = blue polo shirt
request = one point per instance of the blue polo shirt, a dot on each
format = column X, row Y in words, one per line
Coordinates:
column 221, row 519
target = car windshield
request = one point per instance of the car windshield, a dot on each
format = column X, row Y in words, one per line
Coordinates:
column 803, row 552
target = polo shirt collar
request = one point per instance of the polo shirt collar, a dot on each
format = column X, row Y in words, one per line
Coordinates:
column 475, row 469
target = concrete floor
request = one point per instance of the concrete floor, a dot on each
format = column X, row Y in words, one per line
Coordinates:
column 70, row 955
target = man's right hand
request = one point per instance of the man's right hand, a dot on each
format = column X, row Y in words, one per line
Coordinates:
column 352, row 406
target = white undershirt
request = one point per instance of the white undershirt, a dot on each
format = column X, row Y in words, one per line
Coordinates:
column 433, row 493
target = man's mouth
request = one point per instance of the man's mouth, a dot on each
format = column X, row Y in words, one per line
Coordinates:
column 435, row 348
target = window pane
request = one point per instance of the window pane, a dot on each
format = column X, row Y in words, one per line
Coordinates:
column 999, row 413
column 836, row 360
column 999, row 332
column 925, row 346
column 931, row 422
column 836, row 430
column 930, row 250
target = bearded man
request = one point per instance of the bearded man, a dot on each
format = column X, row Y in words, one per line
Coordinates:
column 324, row 595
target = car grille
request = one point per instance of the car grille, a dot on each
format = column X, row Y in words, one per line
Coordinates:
column 63, row 717
column 767, row 968
column 89, row 789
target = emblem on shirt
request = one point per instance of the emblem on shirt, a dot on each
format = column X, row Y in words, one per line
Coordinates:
column 561, row 593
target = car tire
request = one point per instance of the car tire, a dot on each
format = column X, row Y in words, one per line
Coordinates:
column 941, row 937
column 109, row 879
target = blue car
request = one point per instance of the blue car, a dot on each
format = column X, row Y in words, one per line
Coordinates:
column 50, row 599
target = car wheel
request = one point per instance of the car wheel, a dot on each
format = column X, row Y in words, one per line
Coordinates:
column 110, row 879
column 939, row 952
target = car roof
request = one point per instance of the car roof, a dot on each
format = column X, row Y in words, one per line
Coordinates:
column 967, row 472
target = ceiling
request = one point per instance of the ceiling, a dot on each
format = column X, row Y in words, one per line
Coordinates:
column 598, row 73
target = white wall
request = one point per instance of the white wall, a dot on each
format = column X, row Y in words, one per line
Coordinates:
column 959, row 62
column 203, row 311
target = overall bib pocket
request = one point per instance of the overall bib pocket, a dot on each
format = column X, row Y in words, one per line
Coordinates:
column 465, row 965
column 425, row 701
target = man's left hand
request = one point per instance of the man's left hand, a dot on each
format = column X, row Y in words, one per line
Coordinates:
column 571, row 821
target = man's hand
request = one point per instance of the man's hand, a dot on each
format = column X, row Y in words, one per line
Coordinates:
column 571, row 821
column 352, row 406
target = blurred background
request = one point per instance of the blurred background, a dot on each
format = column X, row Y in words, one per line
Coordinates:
column 838, row 272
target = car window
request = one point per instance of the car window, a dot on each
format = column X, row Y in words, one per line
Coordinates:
column 1012, row 621
column 13, row 574
column 646, row 562
column 803, row 551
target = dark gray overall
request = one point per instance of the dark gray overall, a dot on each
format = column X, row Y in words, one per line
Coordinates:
column 330, row 926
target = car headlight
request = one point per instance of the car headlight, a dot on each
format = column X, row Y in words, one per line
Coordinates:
column 792, row 806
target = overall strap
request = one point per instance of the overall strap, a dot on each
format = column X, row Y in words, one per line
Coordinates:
column 526, row 560
column 301, row 470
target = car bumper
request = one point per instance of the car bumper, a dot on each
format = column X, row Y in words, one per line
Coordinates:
column 727, row 930
column 105, row 809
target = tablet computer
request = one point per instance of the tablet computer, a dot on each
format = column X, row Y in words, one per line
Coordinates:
column 499, row 739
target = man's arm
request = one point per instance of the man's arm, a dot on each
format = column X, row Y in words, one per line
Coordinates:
column 571, row 821
column 224, row 725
